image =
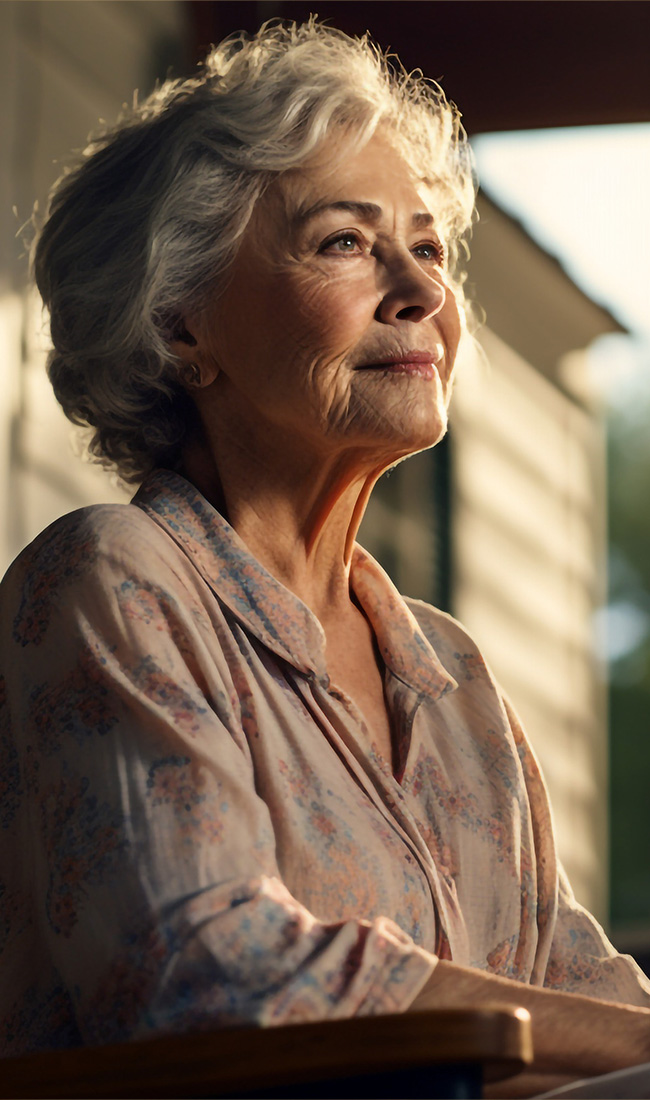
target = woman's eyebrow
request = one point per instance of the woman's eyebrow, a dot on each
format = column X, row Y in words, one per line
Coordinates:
column 366, row 211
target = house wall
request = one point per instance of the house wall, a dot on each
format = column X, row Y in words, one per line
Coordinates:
column 528, row 554
column 63, row 66
column 529, row 523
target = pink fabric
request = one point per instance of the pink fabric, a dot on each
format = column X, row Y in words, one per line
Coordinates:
column 194, row 830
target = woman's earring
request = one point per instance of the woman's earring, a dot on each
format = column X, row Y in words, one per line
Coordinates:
column 192, row 374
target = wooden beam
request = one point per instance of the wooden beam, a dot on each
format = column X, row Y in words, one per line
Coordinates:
column 509, row 64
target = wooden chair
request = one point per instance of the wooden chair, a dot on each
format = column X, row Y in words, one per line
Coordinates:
column 444, row 1053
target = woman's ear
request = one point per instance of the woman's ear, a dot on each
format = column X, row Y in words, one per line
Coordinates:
column 199, row 367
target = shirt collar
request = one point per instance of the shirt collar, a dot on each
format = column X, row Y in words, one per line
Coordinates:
column 281, row 621
column 403, row 647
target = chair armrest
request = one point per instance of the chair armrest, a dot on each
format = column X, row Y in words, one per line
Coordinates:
column 225, row 1062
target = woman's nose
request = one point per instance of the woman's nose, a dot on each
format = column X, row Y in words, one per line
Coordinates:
column 412, row 295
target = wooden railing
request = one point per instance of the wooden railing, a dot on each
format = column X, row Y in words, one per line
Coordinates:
column 428, row 1054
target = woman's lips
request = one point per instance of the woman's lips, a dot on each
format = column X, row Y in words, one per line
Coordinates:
column 421, row 370
column 420, row 364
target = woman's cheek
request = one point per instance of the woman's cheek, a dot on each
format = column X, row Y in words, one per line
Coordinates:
column 347, row 309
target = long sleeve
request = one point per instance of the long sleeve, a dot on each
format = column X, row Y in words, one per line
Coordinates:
column 193, row 831
column 154, row 857
column 583, row 960
column 579, row 957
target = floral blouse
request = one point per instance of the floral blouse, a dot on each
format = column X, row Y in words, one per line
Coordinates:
column 195, row 829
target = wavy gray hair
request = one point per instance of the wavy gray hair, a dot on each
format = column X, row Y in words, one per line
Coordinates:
column 148, row 222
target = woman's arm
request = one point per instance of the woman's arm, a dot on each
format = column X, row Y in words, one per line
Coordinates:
column 573, row 1036
column 577, row 1030
column 142, row 838
column 582, row 959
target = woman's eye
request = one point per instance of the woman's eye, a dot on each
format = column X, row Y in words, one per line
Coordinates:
column 344, row 244
column 431, row 251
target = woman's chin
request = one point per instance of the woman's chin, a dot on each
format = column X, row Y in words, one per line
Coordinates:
column 422, row 442
column 404, row 440
column 412, row 423
column 417, row 432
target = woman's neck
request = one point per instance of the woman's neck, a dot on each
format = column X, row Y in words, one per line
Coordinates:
column 298, row 516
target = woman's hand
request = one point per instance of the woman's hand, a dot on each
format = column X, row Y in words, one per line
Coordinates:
column 573, row 1036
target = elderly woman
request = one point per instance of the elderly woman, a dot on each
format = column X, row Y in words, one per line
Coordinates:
column 245, row 781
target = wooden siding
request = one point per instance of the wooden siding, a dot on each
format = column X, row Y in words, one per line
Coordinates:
column 63, row 66
column 528, row 552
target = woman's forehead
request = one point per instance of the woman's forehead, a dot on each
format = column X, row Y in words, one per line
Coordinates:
column 361, row 182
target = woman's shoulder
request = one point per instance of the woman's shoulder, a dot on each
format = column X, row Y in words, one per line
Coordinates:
column 455, row 647
column 73, row 543
column 78, row 558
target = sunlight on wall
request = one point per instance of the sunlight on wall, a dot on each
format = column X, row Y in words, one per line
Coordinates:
column 64, row 66
column 11, row 318
column 582, row 193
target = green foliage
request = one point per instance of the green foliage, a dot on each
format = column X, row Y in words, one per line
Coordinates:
column 629, row 536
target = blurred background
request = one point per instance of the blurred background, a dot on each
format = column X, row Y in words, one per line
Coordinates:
column 531, row 521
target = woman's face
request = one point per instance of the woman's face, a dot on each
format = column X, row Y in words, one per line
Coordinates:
column 338, row 329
